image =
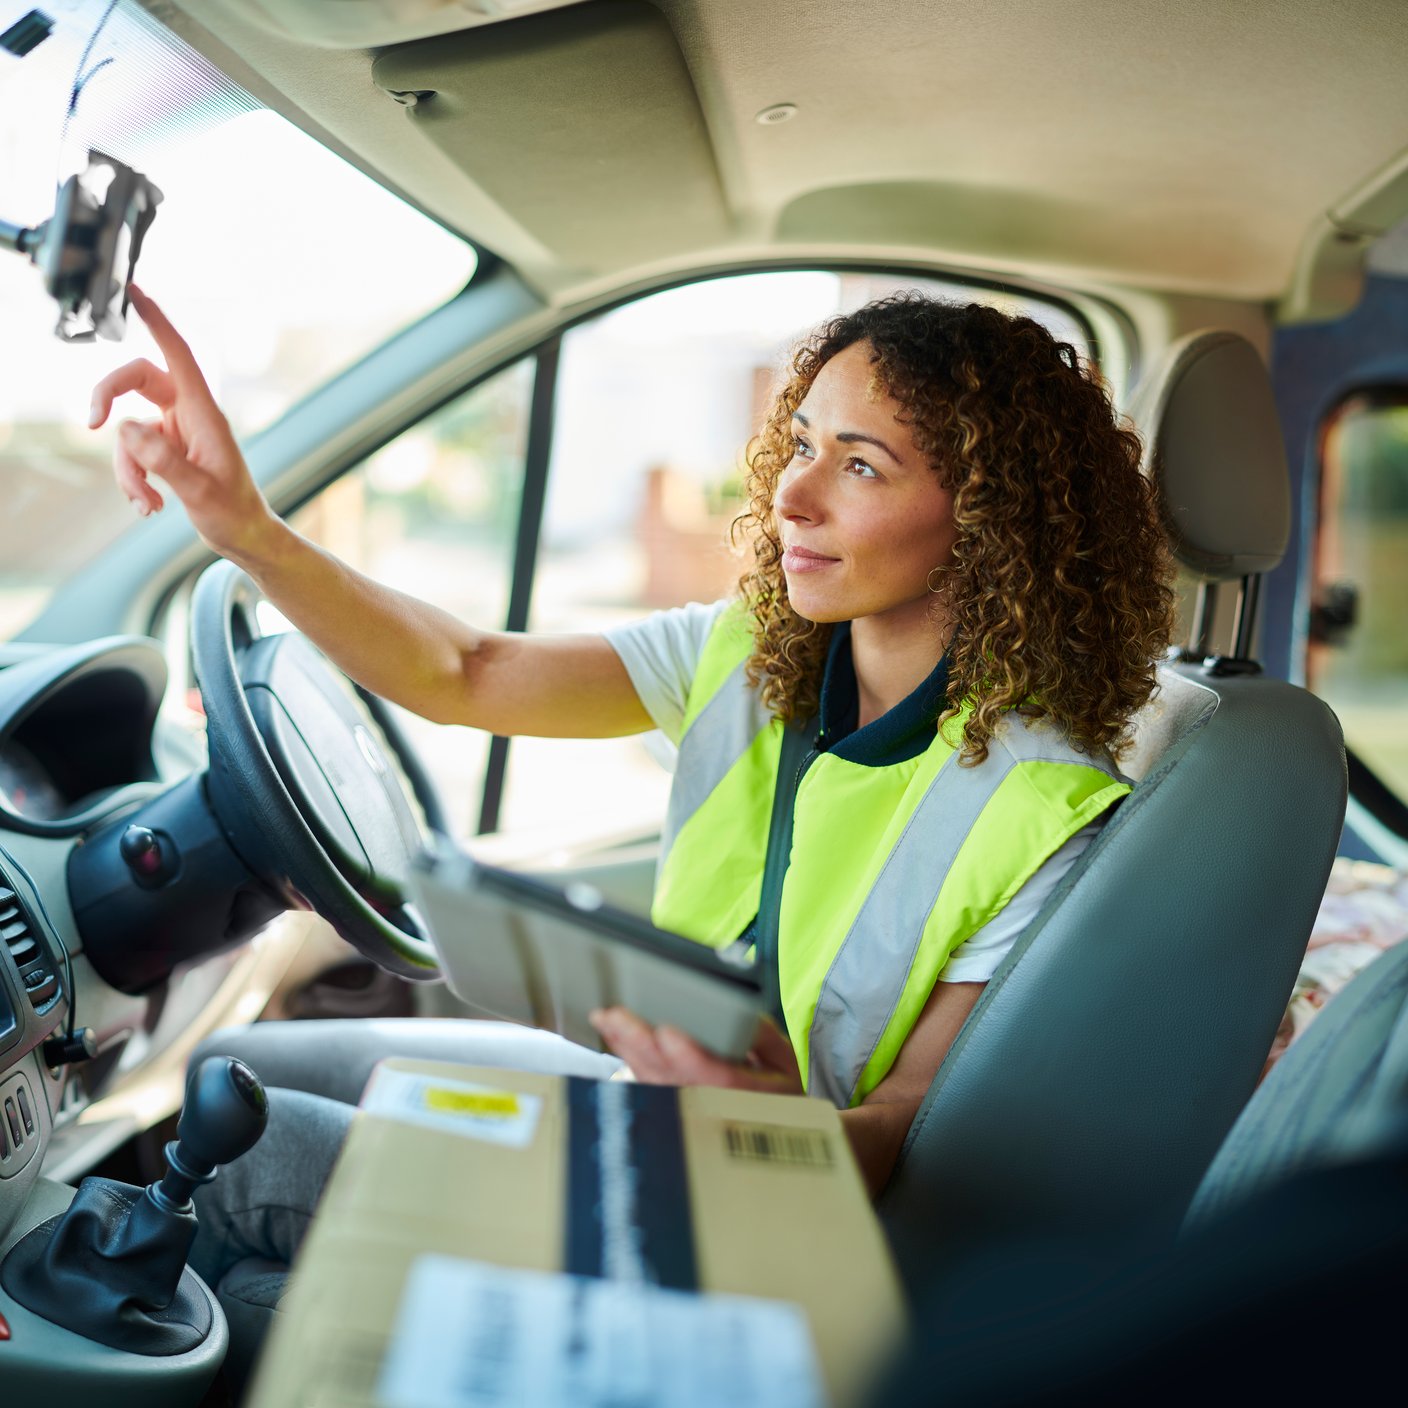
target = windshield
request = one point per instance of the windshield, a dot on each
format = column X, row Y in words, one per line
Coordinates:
column 280, row 262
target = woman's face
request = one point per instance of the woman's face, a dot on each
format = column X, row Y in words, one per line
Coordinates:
column 862, row 517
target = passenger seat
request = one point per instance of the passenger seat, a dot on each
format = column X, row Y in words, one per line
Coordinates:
column 1113, row 1050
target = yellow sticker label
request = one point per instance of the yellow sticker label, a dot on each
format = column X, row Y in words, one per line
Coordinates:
column 494, row 1105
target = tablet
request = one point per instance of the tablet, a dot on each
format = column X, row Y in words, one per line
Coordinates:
column 517, row 946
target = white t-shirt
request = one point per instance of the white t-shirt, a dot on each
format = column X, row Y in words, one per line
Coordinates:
column 661, row 653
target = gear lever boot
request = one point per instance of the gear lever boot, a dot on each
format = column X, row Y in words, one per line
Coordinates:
column 113, row 1267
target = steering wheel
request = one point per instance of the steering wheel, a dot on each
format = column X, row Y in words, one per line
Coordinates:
column 302, row 779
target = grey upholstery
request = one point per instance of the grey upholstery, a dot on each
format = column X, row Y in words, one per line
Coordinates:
column 249, row 1295
column 1338, row 1093
column 1113, row 1050
column 335, row 1057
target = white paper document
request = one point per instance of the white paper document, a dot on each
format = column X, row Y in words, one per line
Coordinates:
column 456, row 1106
column 471, row 1335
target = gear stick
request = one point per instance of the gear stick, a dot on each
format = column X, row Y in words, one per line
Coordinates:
column 113, row 1267
column 224, row 1115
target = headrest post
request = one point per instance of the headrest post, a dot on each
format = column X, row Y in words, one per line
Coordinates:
column 1247, row 599
column 1204, row 615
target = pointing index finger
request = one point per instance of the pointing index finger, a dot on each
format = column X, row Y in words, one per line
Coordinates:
column 185, row 371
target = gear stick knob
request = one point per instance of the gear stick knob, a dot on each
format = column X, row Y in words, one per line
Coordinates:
column 225, row 1113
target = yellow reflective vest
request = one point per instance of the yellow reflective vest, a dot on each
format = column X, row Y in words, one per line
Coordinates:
column 896, row 859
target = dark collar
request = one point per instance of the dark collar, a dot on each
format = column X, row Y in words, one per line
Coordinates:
column 896, row 736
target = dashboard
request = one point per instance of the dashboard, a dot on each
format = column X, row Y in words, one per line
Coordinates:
column 26, row 785
column 111, row 970
column 131, row 924
column 77, row 726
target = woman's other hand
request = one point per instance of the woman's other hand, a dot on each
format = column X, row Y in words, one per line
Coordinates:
column 190, row 447
column 666, row 1056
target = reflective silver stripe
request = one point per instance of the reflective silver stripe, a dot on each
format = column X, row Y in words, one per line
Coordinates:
column 719, row 736
column 1031, row 740
column 867, row 977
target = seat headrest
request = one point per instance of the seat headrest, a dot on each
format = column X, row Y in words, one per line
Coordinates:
column 1212, row 445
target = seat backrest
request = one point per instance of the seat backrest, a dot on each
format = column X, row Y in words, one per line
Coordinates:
column 1112, row 1051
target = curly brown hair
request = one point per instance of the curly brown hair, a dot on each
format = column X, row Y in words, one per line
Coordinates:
column 1059, row 589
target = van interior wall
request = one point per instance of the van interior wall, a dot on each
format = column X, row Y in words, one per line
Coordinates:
column 1313, row 367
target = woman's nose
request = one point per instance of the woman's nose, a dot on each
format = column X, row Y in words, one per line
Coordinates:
column 796, row 493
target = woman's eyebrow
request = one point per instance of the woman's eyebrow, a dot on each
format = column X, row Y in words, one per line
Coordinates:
column 854, row 437
column 850, row 437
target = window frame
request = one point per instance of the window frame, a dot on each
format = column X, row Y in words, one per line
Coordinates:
column 1380, row 808
column 532, row 504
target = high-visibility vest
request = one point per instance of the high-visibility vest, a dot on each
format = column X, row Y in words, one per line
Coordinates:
column 892, row 867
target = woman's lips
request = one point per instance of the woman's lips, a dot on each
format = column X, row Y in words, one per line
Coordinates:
column 801, row 560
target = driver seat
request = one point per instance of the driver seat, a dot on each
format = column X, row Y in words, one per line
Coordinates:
column 1113, row 1049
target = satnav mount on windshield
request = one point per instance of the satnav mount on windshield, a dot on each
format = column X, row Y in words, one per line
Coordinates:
column 87, row 250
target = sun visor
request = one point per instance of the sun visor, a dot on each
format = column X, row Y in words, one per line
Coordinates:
column 569, row 120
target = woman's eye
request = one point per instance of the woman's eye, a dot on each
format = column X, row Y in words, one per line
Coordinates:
column 801, row 449
column 860, row 469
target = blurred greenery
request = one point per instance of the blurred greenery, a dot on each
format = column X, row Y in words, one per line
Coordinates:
column 1373, row 447
column 470, row 484
column 725, row 494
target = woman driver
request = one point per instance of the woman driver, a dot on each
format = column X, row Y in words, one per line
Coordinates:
column 957, row 570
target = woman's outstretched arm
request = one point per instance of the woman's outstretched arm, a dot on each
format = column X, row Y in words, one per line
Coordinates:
column 395, row 645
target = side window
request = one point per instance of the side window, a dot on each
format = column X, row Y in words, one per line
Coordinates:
column 435, row 513
column 655, row 404
column 1358, row 656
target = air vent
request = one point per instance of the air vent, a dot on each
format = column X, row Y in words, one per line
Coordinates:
column 31, row 959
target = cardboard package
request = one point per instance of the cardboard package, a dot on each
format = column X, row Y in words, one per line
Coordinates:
column 615, row 1205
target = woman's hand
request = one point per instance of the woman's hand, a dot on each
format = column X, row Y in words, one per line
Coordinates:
column 666, row 1056
column 191, row 447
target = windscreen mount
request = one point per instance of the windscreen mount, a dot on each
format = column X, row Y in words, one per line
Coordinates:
column 87, row 250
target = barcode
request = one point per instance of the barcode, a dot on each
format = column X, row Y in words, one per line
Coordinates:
column 775, row 1143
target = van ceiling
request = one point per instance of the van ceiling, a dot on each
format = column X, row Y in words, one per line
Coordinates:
column 1190, row 145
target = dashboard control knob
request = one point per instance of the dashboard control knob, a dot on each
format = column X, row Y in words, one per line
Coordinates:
column 147, row 858
column 67, row 1050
